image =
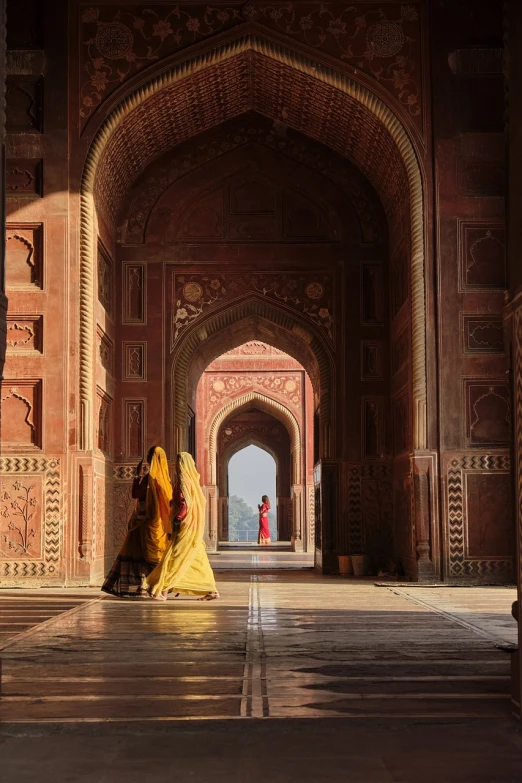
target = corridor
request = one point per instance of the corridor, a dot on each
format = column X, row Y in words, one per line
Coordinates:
column 376, row 671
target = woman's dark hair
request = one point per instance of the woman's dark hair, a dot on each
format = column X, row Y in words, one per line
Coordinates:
column 266, row 499
column 150, row 454
column 138, row 468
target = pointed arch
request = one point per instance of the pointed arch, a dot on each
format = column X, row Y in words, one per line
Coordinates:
column 228, row 54
column 252, row 318
column 276, row 409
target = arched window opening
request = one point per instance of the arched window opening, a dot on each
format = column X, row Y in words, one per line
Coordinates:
column 252, row 473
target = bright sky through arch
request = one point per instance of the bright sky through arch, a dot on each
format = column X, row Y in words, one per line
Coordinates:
column 251, row 474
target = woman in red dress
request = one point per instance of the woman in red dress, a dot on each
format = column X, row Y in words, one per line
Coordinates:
column 264, row 529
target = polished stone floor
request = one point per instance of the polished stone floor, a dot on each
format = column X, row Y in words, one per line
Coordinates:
column 290, row 676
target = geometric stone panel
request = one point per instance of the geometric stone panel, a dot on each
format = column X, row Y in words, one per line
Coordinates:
column 370, row 511
column 21, row 414
column 123, row 503
column 34, row 485
column 134, row 361
column 482, row 333
column 468, row 526
column 24, row 104
column 372, row 427
column 23, row 177
column 24, row 256
column 490, row 531
column 134, row 427
column 371, row 294
column 104, row 423
column 133, row 288
column 482, row 255
column 371, row 360
column 102, row 507
column 488, row 412
column 25, row 333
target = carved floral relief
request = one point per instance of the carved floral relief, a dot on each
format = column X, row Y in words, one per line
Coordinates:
column 382, row 41
column 196, row 294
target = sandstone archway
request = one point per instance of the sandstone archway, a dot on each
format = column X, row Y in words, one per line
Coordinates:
column 286, row 417
column 250, row 73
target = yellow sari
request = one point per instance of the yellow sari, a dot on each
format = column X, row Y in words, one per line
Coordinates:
column 148, row 532
column 185, row 567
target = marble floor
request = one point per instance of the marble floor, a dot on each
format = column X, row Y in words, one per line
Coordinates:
column 290, row 676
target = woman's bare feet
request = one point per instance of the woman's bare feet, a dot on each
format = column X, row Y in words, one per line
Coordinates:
column 159, row 596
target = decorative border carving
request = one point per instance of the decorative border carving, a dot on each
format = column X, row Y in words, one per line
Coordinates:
column 344, row 85
column 457, row 564
column 48, row 565
column 271, row 406
column 358, row 474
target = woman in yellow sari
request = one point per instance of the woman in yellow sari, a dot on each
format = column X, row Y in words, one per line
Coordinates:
column 185, row 567
column 148, row 530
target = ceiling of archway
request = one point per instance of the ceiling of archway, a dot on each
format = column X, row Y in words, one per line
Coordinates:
column 381, row 40
column 246, row 82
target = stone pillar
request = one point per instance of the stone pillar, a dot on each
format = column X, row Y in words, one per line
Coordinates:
column 326, row 481
column 513, row 63
column 426, row 536
column 212, row 517
column 222, row 518
column 3, row 298
column 297, row 517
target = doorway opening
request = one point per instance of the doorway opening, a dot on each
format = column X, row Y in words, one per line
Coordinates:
column 252, row 473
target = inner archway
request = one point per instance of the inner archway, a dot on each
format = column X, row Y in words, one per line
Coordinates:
column 256, row 394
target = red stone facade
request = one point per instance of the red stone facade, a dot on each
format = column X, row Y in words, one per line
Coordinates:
column 185, row 180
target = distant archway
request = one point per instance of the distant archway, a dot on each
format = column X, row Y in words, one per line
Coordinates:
column 269, row 405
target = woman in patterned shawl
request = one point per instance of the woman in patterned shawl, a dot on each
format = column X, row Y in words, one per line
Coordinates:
column 148, row 531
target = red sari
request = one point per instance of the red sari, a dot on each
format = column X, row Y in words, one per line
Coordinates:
column 264, row 528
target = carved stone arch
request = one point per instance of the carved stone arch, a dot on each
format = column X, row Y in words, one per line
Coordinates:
column 276, row 409
column 251, row 130
column 252, row 318
column 233, row 58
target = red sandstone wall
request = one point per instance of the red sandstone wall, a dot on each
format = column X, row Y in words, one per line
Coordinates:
column 170, row 227
column 474, row 408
